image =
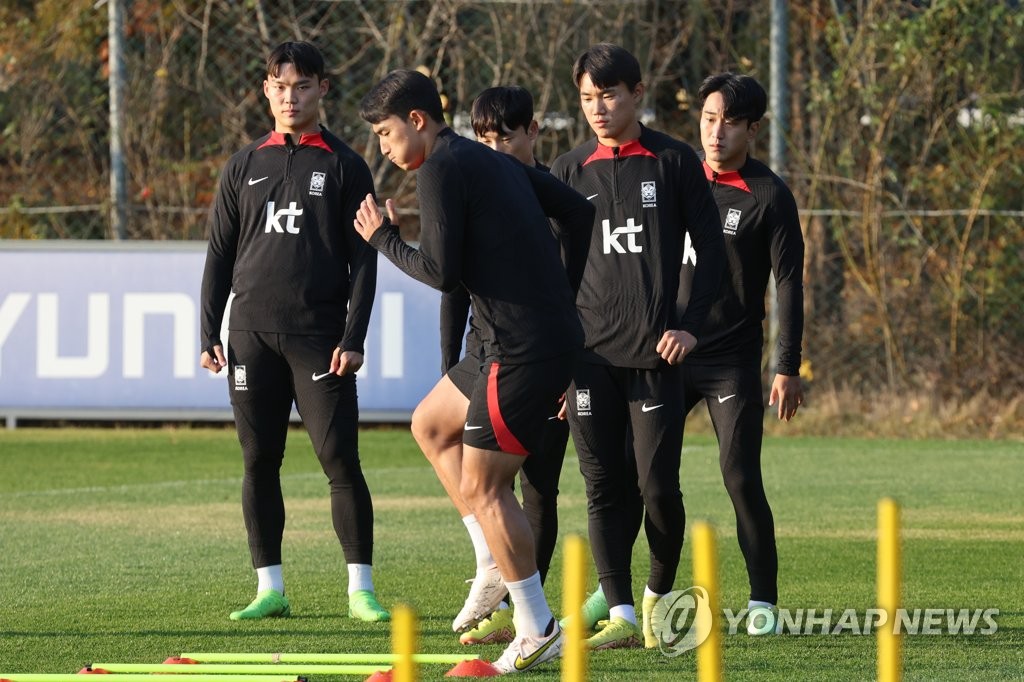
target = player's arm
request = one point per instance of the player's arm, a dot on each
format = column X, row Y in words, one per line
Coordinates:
column 362, row 269
column 702, row 220
column 454, row 314
column 572, row 218
column 787, row 254
column 437, row 263
column 224, row 227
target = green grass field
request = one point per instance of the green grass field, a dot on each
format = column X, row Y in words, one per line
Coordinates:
column 127, row 545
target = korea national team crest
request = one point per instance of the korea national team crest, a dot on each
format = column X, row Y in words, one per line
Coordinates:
column 583, row 402
column 649, row 194
column 732, row 221
column 316, row 184
column 240, row 378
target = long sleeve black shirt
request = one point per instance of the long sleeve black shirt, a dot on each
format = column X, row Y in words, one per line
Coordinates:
column 761, row 226
column 649, row 193
column 483, row 224
column 282, row 238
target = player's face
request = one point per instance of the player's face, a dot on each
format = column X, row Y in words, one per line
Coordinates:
column 517, row 143
column 725, row 140
column 611, row 112
column 294, row 100
column 400, row 142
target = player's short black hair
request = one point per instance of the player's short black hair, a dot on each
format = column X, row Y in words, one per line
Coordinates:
column 607, row 65
column 500, row 109
column 399, row 93
column 744, row 98
column 306, row 59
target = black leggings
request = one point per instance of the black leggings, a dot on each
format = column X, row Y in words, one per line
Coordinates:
column 614, row 412
column 274, row 370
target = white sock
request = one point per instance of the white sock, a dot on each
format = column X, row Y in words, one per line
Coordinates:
column 270, row 578
column 648, row 592
column 623, row 611
column 532, row 614
column 484, row 560
column 360, row 577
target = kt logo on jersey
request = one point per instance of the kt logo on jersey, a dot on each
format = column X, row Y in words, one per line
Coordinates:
column 274, row 218
column 610, row 237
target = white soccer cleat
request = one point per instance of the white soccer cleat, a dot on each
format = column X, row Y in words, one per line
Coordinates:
column 485, row 594
column 762, row 619
column 525, row 653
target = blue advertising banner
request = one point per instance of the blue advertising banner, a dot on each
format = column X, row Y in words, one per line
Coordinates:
column 113, row 329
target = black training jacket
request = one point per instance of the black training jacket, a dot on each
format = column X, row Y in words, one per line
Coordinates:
column 282, row 238
column 648, row 193
column 761, row 226
column 483, row 225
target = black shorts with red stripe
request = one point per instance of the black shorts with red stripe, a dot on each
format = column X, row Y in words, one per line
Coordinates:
column 510, row 404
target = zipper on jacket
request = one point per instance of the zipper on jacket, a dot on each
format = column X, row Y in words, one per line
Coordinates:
column 291, row 147
column 615, row 175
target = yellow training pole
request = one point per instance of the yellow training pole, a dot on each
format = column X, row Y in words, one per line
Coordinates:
column 574, row 584
column 705, row 574
column 890, row 668
column 403, row 641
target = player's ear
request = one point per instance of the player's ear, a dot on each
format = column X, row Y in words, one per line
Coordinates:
column 638, row 92
column 324, row 86
column 752, row 129
column 418, row 119
column 533, row 130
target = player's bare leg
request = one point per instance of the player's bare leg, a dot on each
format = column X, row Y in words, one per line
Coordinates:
column 486, row 486
column 437, row 425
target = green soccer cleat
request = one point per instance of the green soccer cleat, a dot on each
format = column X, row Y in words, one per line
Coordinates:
column 363, row 605
column 617, row 633
column 595, row 609
column 267, row 604
column 495, row 629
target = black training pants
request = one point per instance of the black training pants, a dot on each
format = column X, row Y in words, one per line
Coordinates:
column 736, row 405
column 606, row 405
column 266, row 373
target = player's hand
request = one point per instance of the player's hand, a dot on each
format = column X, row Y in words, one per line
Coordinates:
column 369, row 218
column 345, row 362
column 562, row 409
column 789, row 393
column 675, row 344
column 214, row 362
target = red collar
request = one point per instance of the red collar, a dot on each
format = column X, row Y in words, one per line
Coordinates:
column 731, row 178
column 631, row 148
column 306, row 139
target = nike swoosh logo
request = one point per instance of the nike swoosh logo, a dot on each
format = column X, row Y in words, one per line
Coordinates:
column 591, row 197
column 472, row 428
column 253, row 181
column 648, row 408
column 722, row 400
column 524, row 663
column 318, row 377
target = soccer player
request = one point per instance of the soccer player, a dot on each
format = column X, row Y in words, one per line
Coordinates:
column 483, row 224
column 654, row 211
column 762, row 233
column 502, row 118
column 281, row 238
